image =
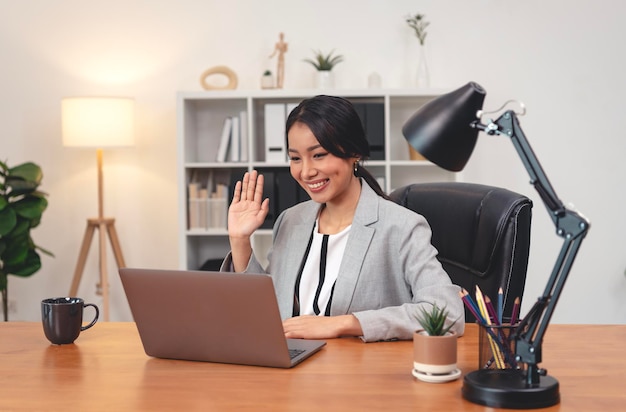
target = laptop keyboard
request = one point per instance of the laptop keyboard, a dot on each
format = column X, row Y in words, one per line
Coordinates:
column 295, row 352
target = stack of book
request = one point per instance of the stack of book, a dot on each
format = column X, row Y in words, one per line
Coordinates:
column 207, row 210
column 233, row 145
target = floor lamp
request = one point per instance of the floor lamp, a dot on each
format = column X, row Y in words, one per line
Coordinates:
column 98, row 122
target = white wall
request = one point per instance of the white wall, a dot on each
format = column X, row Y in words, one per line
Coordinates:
column 563, row 59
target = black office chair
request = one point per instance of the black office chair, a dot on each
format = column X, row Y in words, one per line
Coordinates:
column 482, row 234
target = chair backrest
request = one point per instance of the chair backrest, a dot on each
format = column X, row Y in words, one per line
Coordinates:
column 482, row 234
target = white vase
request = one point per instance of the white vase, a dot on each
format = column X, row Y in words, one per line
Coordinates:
column 324, row 79
column 422, row 79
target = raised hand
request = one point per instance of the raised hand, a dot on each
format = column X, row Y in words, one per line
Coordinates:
column 248, row 209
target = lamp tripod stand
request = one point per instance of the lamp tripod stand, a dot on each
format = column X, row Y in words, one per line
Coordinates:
column 105, row 226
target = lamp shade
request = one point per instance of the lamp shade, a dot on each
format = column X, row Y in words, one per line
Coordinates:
column 440, row 130
column 98, row 121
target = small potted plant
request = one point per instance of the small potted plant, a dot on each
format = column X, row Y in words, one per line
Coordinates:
column 267, row 80
column 434, row 347
column 324, row 64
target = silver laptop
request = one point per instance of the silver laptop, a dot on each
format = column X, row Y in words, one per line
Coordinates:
column 212, row 317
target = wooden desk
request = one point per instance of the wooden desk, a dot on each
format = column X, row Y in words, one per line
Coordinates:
column 107, row 370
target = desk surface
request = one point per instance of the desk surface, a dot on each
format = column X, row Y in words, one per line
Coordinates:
column 107, row 369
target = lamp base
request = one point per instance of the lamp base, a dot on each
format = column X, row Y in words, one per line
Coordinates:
column 507, row 388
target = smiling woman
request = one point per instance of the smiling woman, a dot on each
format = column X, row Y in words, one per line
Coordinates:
column 349, row 261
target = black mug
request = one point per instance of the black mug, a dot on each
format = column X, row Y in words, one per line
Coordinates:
column 62, row 318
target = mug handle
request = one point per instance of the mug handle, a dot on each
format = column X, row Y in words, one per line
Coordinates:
column 95, row 319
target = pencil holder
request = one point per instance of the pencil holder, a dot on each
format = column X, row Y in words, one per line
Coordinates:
column 496, row 346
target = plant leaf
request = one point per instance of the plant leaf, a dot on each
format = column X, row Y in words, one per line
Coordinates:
column 30, row 207
column 16, row 251
column 29, row 265
column 27, row 171
column 8, row 220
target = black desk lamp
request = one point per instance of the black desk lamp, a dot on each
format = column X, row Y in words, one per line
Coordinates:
column 445, row 131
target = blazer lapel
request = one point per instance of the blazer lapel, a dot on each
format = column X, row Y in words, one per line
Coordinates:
column 361, row 234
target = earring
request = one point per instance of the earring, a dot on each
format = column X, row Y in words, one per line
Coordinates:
column 356, row 167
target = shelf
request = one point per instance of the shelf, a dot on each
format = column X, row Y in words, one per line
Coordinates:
column 201, row 116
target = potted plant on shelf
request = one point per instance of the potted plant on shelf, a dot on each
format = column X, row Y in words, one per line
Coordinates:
column 434, row 347
column 267, row 80
column 324, row 64
column 21, row 207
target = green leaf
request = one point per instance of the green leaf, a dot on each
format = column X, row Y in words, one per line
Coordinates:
column 16, row 251
column 3, row 203
column 27, row 171
column 30, row 207
column 434, row 321
column 20, row 186
column 324, row 62
column 21, row 228
column 23, row 179
column 8, row 220
column 30, row 265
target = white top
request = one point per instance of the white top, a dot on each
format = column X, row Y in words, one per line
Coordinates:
column 320, row 271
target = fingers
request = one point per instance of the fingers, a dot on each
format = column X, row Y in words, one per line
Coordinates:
column 237, row 193
column 251, row 187
column 258, row 192
column 244, row 185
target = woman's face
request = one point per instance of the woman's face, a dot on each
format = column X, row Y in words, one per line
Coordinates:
column 325, row 177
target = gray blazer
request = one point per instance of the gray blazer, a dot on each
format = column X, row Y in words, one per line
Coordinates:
column 388, row 270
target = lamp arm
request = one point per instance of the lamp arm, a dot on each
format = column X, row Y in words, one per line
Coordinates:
column 570, row 225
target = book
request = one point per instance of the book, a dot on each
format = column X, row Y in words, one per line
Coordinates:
column 224, row 140
column 192, row 202
column 203, row 196
column 235, row 140
column 375, row 129
column 243, row 133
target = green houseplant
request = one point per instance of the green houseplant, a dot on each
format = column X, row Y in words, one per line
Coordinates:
column 434, row 321
column 324, row 62
column 435, row 346
column 21, row 207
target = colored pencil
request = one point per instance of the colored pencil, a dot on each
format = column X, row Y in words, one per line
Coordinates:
column 471, row 306
column 491, row 311
column 515, row 311
column 500, row 305
column 492, row 341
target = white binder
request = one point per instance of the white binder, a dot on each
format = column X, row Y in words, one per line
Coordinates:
column 275, row 151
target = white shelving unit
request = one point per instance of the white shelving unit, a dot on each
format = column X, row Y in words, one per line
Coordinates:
column 200, row 120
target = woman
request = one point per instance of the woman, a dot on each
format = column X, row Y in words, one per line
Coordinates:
column 349, row 262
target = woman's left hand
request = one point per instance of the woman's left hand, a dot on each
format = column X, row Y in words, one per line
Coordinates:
column 321, row 327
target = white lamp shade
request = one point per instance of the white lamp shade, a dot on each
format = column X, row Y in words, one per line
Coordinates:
column 98, row 121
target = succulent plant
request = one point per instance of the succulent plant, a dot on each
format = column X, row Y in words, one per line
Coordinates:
column 325, row 61
column 434, row 321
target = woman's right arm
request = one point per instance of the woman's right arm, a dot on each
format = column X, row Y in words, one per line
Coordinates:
column 246, row 214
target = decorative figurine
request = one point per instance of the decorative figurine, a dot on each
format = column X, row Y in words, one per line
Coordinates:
column 280, row 49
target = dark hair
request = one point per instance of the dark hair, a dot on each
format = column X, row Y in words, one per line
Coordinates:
column 338, row 129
